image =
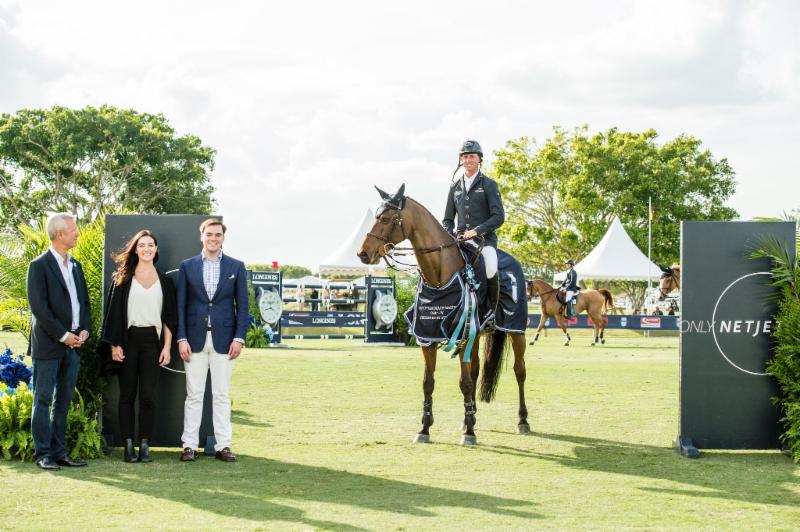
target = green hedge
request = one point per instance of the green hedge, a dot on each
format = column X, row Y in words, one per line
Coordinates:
column 785, row 365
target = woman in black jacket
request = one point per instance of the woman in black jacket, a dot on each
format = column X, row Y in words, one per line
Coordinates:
column 140, row 320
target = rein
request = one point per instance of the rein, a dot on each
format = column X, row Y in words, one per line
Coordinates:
column 391, row 252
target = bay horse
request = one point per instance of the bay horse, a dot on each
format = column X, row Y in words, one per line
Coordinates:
column 399, row 218
column 594, row 302
column 670, row 280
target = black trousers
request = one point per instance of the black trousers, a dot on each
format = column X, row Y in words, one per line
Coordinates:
column 140, row 370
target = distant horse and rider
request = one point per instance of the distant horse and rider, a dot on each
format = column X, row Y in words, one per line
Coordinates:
column 670, row 281
column 439, row 260
column 594, row 302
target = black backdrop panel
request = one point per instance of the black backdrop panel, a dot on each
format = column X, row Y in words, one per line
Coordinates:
column 178, row 239
column 726, row 325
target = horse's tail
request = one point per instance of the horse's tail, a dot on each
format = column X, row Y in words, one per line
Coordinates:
column 494, row 352
column 609, row 301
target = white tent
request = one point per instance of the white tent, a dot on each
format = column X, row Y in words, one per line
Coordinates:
column 615, row 258
column 308, row 281
column 343, row 260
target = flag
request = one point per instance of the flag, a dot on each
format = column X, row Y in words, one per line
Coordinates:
column 275, row 264
column 650, row 210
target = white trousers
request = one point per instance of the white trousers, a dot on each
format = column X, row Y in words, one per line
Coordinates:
column 570, row 295
column 196, row 372
column 490, row 261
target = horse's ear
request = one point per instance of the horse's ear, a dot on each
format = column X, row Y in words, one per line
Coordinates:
column 384, row 195
column 399, row 196
column 665, row 269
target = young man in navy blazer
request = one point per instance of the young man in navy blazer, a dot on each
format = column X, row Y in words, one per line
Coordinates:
column 60, row 323
column 212, row 324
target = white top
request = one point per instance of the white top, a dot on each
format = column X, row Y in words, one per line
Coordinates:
column 66, row 273
column 468, row 180
column 144, row 305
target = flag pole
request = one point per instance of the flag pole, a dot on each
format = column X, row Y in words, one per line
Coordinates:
column 649, row 236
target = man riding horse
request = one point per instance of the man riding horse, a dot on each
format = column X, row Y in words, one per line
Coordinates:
column 475, row 199
column 570, row 286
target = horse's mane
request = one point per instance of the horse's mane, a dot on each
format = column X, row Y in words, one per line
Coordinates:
column 436, row 222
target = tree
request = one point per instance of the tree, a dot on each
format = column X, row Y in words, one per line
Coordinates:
column 561, row 198
column 87, row 160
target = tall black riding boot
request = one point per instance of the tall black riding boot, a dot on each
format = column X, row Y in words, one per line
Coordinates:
column 493, row 290
column 130, row 453
column 144, row 451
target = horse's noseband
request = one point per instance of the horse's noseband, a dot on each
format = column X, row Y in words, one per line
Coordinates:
column 396, row 220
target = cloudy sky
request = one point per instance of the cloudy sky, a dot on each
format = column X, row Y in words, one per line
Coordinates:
column 310, row 103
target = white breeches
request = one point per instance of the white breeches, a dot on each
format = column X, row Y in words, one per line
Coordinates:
column 490, row 261
column 570, row 295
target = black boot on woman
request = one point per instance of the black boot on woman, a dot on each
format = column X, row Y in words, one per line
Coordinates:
column 144, row 451
column 130, row 454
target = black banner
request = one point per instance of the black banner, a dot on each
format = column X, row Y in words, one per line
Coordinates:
column 726, row 327
column 269, row 301
column 381, row 310
column 178, row 239
column 294, row 318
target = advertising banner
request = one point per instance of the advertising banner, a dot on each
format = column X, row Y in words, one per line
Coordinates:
column 178, row 239
column 268, row 290
column 726, row 328
column 381, row 310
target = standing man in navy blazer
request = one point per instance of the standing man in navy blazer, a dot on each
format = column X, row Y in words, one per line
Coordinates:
column 60, row 322
column 212, row 324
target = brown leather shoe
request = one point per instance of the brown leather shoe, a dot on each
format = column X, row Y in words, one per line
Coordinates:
column 225, row 455
column 188, row 455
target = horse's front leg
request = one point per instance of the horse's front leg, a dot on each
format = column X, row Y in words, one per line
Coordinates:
column 429, row 354
column 474, row 372
column 562, row 324
column 542, row 321
column 468, row 391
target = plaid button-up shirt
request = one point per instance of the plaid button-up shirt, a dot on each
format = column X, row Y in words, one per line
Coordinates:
column 211, row 273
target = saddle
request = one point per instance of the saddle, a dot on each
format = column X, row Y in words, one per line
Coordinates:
column 512, row 309
column 561, row 297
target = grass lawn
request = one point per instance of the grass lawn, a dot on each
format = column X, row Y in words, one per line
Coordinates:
column 324, row 430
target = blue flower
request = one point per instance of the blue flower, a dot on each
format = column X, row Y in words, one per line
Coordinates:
column 13, row 370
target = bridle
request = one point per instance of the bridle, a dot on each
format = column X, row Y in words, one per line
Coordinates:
column 391, row 251
column 546, row 293
column 667, row 275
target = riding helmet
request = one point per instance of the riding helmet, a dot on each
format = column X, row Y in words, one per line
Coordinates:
column 471, row 146
column 570, row 262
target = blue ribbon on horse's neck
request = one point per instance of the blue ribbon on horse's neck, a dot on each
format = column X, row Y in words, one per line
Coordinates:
column 467, row 320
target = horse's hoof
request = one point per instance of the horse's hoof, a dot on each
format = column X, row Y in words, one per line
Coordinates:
column 468, row 439
column 592, row 344
column 602, row 340
column 531, row 343
column 422, row 438
column 566, row 343
column 523, row 428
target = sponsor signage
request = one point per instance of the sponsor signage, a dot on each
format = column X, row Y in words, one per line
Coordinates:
column 178, row 239
column 614, row 321
column 650, row 322
column 322, row 319
column 381, row 310
column 268, row 289
column 726, row 337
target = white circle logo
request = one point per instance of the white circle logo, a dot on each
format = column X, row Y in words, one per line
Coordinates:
column 384, row 309
column 714, row 326
column 270, row 305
